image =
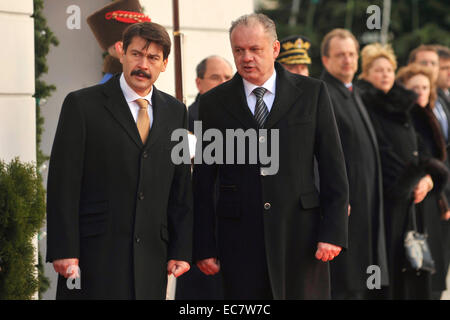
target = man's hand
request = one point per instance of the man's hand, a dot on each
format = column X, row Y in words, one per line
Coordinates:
column 423, row 187
column 446, row 216
column 327, row 251
column 209, row 266
column 177, row 268
column 62, row 266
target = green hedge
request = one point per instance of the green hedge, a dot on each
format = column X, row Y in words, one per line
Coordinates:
column 22, row 213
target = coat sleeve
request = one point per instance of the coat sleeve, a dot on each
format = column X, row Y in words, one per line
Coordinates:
column 179, row 210
column 64, row 182
column 334, row 190
column 400, row 177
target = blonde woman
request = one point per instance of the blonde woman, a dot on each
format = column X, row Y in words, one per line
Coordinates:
column 406, row 178
column 435, row 206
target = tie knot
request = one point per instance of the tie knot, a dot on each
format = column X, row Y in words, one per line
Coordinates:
column 143, row 104
column 259, row 92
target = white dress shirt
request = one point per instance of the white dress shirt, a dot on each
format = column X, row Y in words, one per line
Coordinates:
column 130, row 96
column 268, row 97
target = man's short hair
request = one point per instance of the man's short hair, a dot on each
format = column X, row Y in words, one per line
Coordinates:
column 201, row 67
column 249, row 19
column 423, row 47
column 149, row 31
column 443, row 52
column 340, row 33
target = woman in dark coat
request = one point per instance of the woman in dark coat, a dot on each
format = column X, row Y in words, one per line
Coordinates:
column 407, row 177
column 419, row 79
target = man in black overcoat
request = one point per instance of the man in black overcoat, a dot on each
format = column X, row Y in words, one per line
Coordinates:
column 118, row 207
column 275, row 233
column 366, row 237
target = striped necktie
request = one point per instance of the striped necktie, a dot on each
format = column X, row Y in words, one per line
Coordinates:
column 261, row 110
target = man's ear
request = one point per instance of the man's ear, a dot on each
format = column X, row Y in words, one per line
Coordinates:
column 325, row 61
column 118, row 47
column 276, row 48
column 165, row 61
column 197, row 83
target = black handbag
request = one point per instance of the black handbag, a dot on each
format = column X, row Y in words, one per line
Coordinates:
column 417, row 251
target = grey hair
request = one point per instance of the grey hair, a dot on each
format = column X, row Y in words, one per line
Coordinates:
column 201, row 67
column 262, row 19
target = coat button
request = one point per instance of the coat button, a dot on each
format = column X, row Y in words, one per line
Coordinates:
column 415, row 154
column 267, row 206
column 145, row 154
column 141, row 196
column 138, row 240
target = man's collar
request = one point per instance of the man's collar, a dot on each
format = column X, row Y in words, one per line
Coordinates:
column 270, row 84
column 131, row 95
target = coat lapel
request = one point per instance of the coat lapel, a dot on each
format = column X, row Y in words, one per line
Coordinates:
column 235, row 103
column 161, row 116
column 287, row 92
column 365, row 116
column 337, row 84
column 118, row 107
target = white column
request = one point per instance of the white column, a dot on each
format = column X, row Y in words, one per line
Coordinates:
column 17, row 106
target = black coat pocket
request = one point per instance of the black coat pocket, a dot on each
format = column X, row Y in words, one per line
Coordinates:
column 310, row 200
column 93, row 218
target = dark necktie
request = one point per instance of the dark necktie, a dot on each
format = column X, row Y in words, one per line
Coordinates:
column 261, row 111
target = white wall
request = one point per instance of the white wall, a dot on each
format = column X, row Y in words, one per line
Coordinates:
column 17, row 106
column 204, row 25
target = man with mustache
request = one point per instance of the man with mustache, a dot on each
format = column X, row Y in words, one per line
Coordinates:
column 275, row 233
column 119, row 210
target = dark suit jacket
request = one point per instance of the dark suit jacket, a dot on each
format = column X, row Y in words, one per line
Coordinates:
column 273, row 219
column 122, row 207
column 366, row 224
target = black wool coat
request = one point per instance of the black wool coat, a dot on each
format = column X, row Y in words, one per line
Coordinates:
column 366, row 234
column 446, row 224
column 123, row 208
column 269, row 225
column 403, row 166
column 430, row 134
